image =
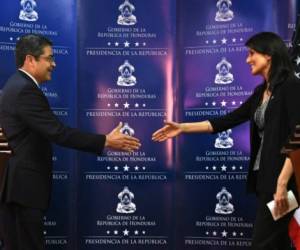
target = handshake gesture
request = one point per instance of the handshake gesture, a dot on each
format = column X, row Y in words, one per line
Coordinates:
column 118, row 141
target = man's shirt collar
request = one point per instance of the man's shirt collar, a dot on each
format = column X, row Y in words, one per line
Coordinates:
column 32, row 78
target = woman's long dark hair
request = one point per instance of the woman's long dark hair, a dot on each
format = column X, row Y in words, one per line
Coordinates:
column 271, row 44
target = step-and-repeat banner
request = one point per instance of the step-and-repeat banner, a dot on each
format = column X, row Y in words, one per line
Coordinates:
column 214, row 79
column 126, row 65
column 57, row 21
column 139, row 63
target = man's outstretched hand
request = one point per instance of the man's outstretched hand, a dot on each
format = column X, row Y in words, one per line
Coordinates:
column 118, row 141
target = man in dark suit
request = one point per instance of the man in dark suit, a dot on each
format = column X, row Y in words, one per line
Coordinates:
column 30, row 127
column 5, row 152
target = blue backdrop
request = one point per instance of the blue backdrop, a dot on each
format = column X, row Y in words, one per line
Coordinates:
column 140, row 62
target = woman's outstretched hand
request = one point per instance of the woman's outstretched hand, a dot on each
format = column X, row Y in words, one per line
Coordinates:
column 170, row 130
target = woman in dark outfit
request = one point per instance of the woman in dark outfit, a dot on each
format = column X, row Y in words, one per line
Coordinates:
column 273, row 112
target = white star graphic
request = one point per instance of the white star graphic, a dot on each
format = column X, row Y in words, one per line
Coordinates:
column 224, row 233
column 214, row 233
column 126, row 232
column 144, row 105
column 126, row 105
column 136, row 232
column 234, row 234
column 108, row 104
column 116, row 168
column 241, row 234
column 206, row 167
column 241, row 39
column 136, row 168
column 207, row 42
column 109, row 43
column 233, row 102
column 116, row 232
column 11, row 38
column 224, row 40
column 108, row 168
column 223, row 103
column 233, row 40
column 233, row 167
column 223, row 167
column 241, row 167
column 144, row 44
column 144, row 168
column 206, row 104
column 297, row 60
column 45, row 232
column 214, row 103
column 107, row 232
column 116, row 44
column 126, row 167
column 143, row 232
column 126, row 44
column 297, row 75
column 207, row 233
column 116, row 105
column 214, row 41
column 136, row 105
column 214, row 167
column 137, row 44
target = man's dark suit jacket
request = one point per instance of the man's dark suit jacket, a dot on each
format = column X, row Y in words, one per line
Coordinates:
column 30, row 127
column 3, row 156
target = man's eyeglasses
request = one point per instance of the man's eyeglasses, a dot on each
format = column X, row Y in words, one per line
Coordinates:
column 50, row 59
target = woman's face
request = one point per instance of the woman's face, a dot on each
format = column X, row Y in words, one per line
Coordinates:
column 260, row 63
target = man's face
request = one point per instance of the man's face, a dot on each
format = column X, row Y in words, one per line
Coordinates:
column 44, row 65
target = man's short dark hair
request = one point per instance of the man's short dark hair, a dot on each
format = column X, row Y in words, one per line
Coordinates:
column 30, row 45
